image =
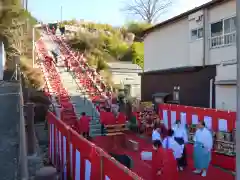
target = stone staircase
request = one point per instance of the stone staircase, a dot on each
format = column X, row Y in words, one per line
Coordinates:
column 80, row 100
column 78, row 96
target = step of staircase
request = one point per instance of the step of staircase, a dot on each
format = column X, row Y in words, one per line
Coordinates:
column 80, row 102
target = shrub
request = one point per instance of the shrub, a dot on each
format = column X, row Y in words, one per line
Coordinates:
column 33, row 76
column 137, row 28
column 138, row 53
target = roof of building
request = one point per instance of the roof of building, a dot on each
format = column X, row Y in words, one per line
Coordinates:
column 183, row 15
column 124, row 65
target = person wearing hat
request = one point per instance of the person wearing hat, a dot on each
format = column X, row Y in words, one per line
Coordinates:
column 181, row 137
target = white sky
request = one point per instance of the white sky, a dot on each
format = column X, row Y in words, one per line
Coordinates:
column 180, row 6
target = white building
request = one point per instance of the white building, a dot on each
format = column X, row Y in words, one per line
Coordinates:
column 126, row 73
column 200, row 37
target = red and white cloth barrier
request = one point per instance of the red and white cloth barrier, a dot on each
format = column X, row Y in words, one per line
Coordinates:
column 79, row 158
column 215, row 120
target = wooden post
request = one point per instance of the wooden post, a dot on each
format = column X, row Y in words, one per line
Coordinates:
column 31, row 136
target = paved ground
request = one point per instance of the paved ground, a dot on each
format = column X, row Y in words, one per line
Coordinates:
column 9, row 138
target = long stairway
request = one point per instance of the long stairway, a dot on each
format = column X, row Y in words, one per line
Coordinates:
column 79, row 98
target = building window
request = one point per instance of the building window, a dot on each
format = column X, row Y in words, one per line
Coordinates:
column 196, row 34
column 223, row 32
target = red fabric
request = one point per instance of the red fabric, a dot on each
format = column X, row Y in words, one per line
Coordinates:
column 116, row 172
column 83, row 124
column 98, row 108
column 88, row 152
column 48, row 60
column 107, row 118
column 163, row 161
column 226, row 162
column 121, row 118
column 157, row 162
column 103, row 116
column 163, row 129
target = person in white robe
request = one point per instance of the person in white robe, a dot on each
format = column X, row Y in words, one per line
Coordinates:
column 203, row 143
column 156, row 136
column 170, row 143
column 180, row 135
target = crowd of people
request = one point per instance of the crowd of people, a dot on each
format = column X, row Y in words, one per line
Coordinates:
column 169, row 151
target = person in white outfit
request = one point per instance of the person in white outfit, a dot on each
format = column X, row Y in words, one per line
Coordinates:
column 156, row 136
column 170, row 143
column 203, row 143
column 180, row 135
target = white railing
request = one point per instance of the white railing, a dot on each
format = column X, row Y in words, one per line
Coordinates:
column 223, row 40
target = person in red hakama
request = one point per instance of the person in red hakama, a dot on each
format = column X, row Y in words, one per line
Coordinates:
column 164, row 165
column 83, row 125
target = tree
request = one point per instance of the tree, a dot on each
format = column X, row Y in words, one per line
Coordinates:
column 148, row 10
column 137, row 29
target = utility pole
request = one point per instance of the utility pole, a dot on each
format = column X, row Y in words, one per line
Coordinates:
column 26, row 5
column 33, row 46
column 61, row 11
column 238, row 91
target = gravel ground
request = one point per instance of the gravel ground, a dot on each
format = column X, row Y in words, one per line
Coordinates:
column 9, row 137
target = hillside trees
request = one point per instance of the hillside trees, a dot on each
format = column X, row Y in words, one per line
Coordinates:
column 103, row 43
column 16, row 33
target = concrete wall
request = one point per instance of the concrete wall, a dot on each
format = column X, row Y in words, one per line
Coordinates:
column 131, row 79
column 167, row 47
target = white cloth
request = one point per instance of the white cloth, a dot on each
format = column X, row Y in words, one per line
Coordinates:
column 204, row 136
column 170, row 143
column 156, row 136
column 180, row 132
column 146, row 156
